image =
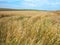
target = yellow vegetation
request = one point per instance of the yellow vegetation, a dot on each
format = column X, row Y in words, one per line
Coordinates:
column 30, row 30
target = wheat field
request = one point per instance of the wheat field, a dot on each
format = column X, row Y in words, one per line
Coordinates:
column 34, row 28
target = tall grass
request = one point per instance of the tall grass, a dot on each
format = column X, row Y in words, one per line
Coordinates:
column 29, row 30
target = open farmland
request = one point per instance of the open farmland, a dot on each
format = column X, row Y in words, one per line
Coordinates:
column 29, row 28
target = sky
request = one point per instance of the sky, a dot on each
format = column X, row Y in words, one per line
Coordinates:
column 31, row 4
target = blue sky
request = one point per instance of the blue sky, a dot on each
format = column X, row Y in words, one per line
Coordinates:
column 31, row 4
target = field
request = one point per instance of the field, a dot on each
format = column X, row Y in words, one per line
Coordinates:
column 29, row 27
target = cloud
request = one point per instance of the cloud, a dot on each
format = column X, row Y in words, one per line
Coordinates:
column 31, row 3
column 53, row 4
column 34, row 3
column 42, row 2
column 35, row 0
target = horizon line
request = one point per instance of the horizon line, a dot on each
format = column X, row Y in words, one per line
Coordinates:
column 18, row 9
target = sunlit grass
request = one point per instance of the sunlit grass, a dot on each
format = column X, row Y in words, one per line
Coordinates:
column 29, row 30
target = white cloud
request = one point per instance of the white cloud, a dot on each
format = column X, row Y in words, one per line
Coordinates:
column 54, row 3
column 35, row 3
column 41, row 3
column 30, row 4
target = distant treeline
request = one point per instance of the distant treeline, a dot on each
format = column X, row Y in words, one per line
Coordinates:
column 6, row 9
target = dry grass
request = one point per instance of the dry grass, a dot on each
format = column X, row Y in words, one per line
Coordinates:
column 37, row 29
column 25, row 13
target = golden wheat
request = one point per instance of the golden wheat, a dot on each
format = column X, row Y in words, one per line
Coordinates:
column 30, row 30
